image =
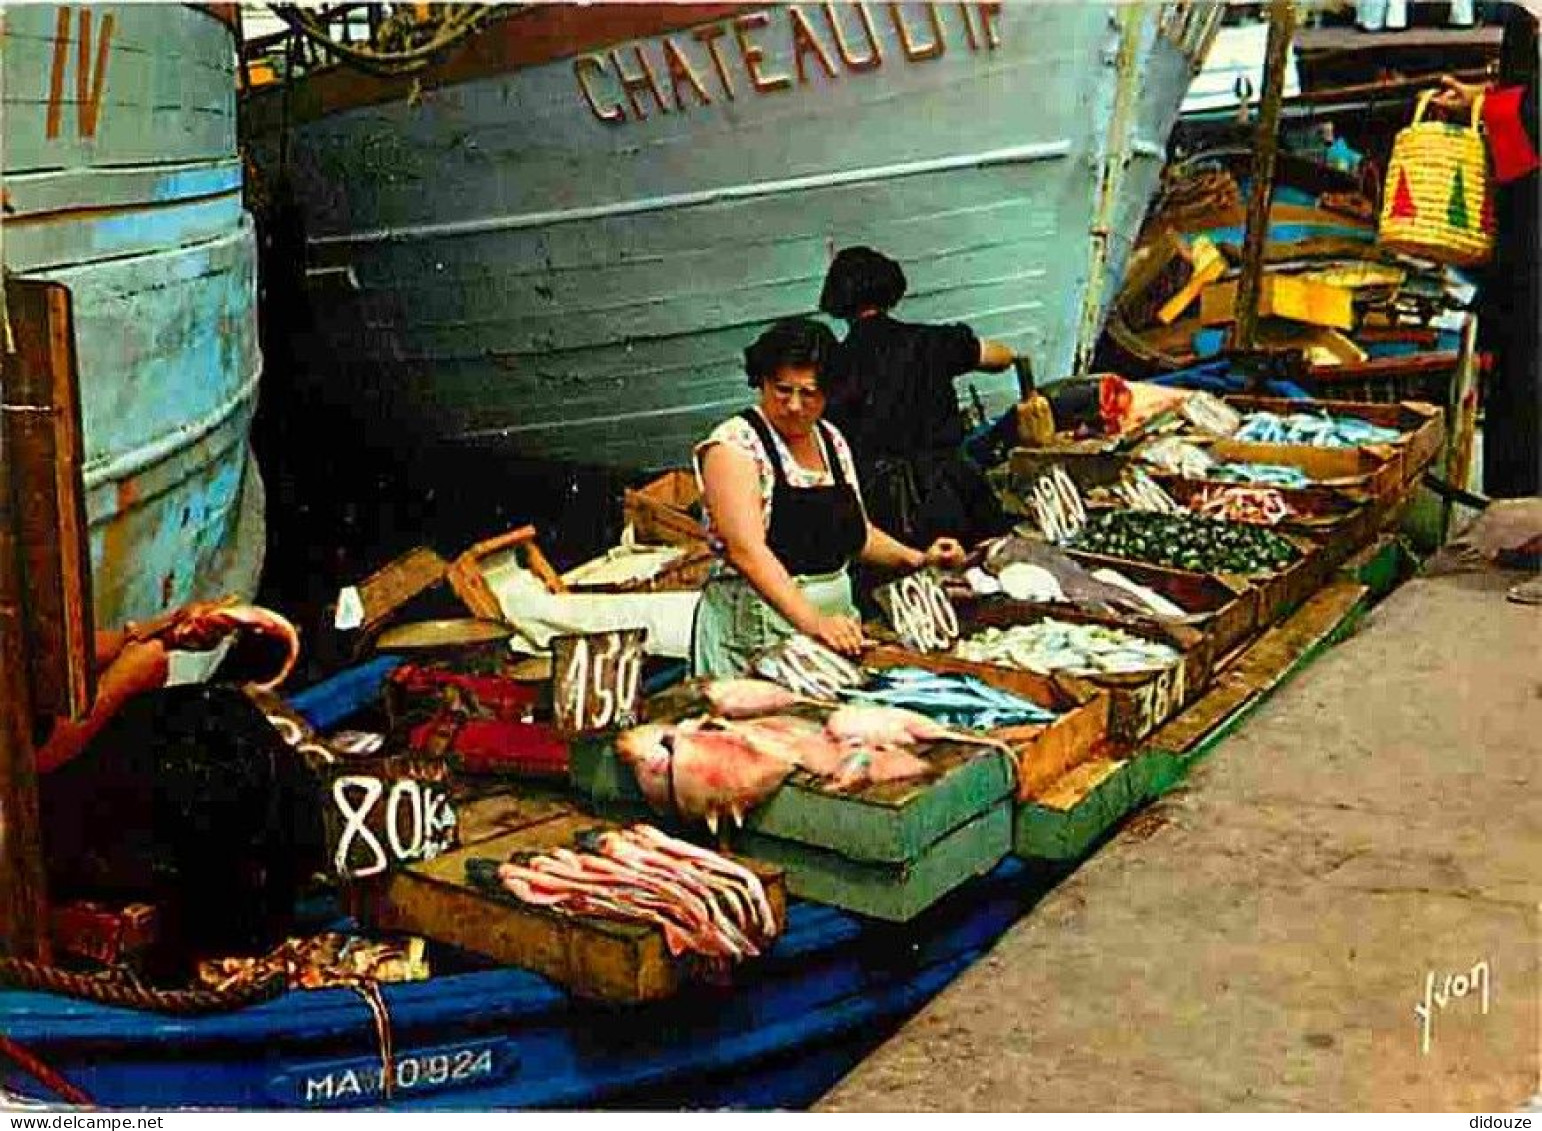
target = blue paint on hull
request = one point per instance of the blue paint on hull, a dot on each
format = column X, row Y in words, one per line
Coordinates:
column 140, row 215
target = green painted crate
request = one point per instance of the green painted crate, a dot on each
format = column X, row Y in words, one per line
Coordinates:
column 889, row 824
column 1055, row 832
column 896, row 892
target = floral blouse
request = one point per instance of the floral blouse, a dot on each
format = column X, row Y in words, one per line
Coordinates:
column 738, row 433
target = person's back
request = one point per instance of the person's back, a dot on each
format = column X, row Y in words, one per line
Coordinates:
column 896, row 397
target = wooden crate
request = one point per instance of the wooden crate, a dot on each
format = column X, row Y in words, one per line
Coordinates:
column 1065, row 821
column 659, row 512
column 1138, row 703
column 1043, row 753
column 887, row 824
column 1422, row 425
column 604, row 959
column 1326, row 515
column 1374, row 473
column 1227, row 608
column 894, row 891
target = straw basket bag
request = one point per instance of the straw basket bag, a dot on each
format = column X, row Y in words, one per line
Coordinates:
column 1437, row 203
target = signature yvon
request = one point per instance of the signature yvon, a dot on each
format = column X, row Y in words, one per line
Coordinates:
column 1453, row 988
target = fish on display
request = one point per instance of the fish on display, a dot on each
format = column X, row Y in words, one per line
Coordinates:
column 704, row 903
column 701, row 769
column 1076, row 649
column 1317, row 430
column 746, row 698
column 951, row 698
column 1074, row 583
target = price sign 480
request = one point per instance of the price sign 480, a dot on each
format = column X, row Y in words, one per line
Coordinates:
column 597, row 679
column 920, row 612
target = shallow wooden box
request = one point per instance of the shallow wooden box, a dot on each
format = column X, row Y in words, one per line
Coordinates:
column 604, row 959
column 1226, row 608
column 659, row 511
column 1042, row 753
column 1065, row 821
column 896, row 891
column 1422, row 425
column 1139, row 702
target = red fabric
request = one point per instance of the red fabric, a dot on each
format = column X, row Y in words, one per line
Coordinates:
column 500, row 746
column 1512, row 149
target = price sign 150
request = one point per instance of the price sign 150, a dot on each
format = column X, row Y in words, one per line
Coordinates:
column 597, row 679
column 920, row 612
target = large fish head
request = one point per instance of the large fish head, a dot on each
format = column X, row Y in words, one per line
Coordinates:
column 647, row 750
column 718, row 773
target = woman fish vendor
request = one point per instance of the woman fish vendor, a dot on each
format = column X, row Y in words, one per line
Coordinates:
column 785, row 512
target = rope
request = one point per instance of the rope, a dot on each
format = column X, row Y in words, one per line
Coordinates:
column 459, row 22
column 21, row 974
column 29, row 1063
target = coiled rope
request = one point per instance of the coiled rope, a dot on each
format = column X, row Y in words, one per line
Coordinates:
column 22, row 974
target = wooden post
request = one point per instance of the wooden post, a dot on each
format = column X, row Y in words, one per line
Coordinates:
column 23, row 898
column 1282, row 27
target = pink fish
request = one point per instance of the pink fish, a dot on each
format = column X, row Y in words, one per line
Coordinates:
column 895, row 726
column 716, row 772
column 646, row 749
column 746, row 698
column 799, row 741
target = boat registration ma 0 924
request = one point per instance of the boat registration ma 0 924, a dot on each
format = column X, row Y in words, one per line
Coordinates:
column 359, row 1080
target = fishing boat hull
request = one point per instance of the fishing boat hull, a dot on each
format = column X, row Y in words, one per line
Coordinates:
column 481, row 1038
column 560, row 239
column 123, row 183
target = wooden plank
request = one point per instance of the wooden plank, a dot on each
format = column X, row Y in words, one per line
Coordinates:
column 1065, row 792
column 609, row 960
column 1283, row 296
column 41, row 397
column 397, row 582
column 1260, row 669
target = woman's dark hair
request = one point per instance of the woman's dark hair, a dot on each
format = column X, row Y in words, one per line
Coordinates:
column 859, row 278
column 793, row 341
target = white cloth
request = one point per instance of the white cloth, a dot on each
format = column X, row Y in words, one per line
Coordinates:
column 537, row 615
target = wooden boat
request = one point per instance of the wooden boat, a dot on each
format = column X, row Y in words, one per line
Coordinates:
column 558, row 239
column 480, row 1037
column 122, row 182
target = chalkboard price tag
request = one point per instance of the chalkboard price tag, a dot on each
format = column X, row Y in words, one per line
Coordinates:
column 597, row 680
column 808, row 668
column 920, row 612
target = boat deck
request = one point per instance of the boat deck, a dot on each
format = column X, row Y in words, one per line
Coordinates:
column 1260, row 939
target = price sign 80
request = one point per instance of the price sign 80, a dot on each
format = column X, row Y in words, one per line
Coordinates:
column 597, row 679
column 920, row 612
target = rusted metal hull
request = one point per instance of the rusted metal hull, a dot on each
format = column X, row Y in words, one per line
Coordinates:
column 122, row 182
column 561, row 239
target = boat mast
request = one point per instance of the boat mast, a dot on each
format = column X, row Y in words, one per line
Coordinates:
column 1282, row 27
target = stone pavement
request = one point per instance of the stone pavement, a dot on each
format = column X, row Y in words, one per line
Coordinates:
column 1261, row 938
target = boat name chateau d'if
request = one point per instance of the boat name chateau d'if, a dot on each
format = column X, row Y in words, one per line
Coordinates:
column 724, row 60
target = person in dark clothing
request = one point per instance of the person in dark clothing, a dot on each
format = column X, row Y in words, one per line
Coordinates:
column 1509, row 298
column 894, row 399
